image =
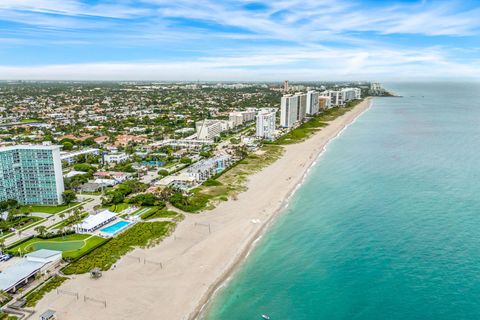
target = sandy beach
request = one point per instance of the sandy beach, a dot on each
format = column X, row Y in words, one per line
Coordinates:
column 194, row 261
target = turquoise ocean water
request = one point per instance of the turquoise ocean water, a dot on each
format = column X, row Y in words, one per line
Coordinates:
column 387, row 224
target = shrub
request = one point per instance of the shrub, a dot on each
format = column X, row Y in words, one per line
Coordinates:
column 142, row 234
column 195, row 203
column 35, row 295
column 212, row 183
column 163, row 172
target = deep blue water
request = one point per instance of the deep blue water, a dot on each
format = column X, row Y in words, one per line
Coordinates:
column 386, row 226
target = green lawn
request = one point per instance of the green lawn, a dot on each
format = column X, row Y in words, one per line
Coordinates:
column 72, row 245
column 47, row 209
column 142, row 234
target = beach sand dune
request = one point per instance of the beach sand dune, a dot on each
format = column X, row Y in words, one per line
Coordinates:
column 194, row 261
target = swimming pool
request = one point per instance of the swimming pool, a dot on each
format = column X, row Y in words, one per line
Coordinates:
column 115, row 228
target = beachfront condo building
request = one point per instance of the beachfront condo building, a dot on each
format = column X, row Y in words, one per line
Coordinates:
column 324, row 102
column 350, row 94
column 293, row 109
column 288, row 110
column 31, row 174
column 358, row 93
column 376, row 88
column 312, row 103
column 301, row 107
column 265, row 126
column 340, row 97
column 336, row 97
column 207, row 168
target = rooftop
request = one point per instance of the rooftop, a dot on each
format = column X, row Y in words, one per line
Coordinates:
column 94, row 220
column 15, row 273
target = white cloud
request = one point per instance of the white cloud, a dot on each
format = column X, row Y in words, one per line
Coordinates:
column 327, row 38
column 319, row 64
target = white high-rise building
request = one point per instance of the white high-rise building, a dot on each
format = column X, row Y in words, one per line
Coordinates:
column 302, row 106
column 265, row 126
column 312, row 102
column 31, row 174
column 288, row 110
column 293, row 109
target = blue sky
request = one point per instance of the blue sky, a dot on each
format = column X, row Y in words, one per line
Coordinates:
column 239, row 40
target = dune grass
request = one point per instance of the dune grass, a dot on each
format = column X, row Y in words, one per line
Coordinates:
column 142, row 234
column 37, row 294
column 230, row 183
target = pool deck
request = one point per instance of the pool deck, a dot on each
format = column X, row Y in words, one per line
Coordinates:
column 103, row 234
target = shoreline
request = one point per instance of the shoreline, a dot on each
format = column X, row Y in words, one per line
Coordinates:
column 224, row 279
column 196, row 262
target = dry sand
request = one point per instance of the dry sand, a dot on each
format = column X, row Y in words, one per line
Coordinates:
column 194, row 261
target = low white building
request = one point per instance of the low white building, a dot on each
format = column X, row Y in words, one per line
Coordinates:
column 106, row 182
column 95, row 221
column 73, row 173
column 182, row 181
column 69, row 157
column 21, row 273
column 118, row 176
column 115, row 157
column 207, row 168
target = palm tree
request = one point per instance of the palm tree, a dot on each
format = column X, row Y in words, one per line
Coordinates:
column 14, row 213
column 29, row 210
column 41, row 230
column 2, row 245
column 62, row 217
column 77, row 217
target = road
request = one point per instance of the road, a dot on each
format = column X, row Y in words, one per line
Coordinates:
column 51, row 219
column 149, row 176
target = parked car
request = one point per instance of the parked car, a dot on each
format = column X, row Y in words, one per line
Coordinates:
column 5, row 257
